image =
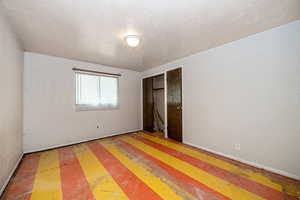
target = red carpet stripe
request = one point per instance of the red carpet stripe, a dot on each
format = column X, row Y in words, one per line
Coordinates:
column 288, row 197
column 73, row 181
column 180, row 176
column 251, row 186
column 133, row 187
column 21, row 186
column 283, row 196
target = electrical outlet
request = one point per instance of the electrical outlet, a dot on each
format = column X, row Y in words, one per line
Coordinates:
column 100, row 126
column 237, row 146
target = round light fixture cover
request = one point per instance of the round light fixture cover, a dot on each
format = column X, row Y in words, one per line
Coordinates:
column 132, row 40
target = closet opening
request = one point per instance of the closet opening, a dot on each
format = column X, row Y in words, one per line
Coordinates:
column 154, row 104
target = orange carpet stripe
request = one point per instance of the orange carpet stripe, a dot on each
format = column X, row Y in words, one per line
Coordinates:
column 217, row 184
column 192, row 151
column 22, row 183
column 164, row 188
column 140, row 167
column 183, row 188
column 194, row 186
column 251, row 186
column 73, row 181
column 100, row 181
column 133, row 187
column 47, row 184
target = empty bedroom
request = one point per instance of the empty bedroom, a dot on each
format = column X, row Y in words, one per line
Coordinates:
column 150, row 100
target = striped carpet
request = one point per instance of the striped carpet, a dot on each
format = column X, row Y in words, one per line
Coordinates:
column 141, row 166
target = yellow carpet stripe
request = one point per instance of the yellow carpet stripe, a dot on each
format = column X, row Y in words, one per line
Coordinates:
column 101, row 183
column 217, row 162
column 217, row 184
column 154, row 182
column 47, row 184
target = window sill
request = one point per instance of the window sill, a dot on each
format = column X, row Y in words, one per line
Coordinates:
column 91, row 108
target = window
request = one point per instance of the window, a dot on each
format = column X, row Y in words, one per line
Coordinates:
column 96, row 92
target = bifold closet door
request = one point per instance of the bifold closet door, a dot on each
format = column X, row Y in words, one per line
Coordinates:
column 148, row 104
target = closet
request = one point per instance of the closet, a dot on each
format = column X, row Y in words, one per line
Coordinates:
column 154, row 103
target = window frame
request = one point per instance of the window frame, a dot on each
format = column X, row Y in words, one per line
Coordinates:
column 88, row 107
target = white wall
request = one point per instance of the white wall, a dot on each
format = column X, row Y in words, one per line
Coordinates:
column 246, row 92
column 50, row 118
column 11, row 76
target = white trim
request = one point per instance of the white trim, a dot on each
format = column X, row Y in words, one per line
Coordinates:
column 11, row 174
column 154, row 74
column 277, row 171
column 79, row 141
column 166, row 104
column 142, row 105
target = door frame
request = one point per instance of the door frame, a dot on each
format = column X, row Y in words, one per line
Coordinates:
column 165, row 94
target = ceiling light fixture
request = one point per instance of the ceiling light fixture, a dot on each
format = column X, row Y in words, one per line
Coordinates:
column 132, row 40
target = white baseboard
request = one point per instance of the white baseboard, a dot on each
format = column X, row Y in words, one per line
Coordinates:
column 277, row 171
column 11, row 174
column 78, row 141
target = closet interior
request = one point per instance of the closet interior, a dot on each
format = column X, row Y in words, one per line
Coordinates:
column 154, row 104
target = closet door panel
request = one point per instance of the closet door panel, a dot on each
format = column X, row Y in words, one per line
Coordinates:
column 148, row 104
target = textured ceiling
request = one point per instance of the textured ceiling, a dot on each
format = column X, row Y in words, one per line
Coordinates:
column 93, row 30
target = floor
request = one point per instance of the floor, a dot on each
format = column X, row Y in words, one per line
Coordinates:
column 142, row 166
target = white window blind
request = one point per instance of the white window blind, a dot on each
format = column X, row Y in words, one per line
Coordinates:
column 96, row 92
